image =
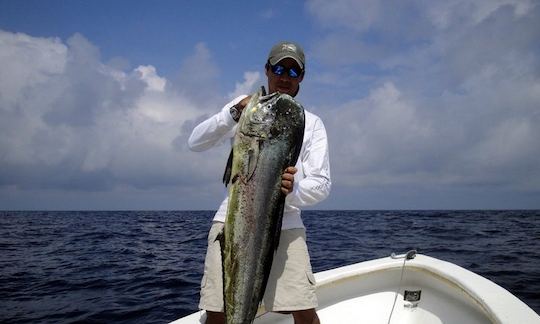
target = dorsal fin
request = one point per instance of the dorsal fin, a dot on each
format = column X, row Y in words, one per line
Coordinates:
column 228, row 169
column 277, row 230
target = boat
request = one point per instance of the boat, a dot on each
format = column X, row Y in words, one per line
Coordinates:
column 405, row 289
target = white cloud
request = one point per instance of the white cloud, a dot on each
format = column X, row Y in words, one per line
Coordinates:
column 251, row 80
column 197, row 80
column 69, row 121
column 446, row 14
column 382, row 133
column 353, row 14
column 351, row 49
column 453, row 105
column 153, row 81
column 379, row 15
column 27, row 62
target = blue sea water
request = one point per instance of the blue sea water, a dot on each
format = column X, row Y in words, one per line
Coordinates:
column 145, row 267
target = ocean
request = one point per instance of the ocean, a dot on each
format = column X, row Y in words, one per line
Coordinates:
column 146, row 266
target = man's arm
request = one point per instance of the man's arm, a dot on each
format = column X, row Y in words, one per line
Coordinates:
column 215, row 129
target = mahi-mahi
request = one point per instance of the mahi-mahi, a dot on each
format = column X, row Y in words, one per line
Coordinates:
column 268, row 140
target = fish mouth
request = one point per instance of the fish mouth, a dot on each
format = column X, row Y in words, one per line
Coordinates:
column 268, row 97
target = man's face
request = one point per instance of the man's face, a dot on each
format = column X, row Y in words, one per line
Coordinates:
column 284, row 83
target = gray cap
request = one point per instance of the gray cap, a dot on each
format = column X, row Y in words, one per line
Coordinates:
column 287, row 49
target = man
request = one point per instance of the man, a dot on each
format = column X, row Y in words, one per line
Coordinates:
column 291, row 286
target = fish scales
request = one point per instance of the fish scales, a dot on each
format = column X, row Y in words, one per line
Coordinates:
column 268, row 140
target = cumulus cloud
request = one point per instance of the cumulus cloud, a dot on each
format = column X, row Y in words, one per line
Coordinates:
column 68, row 121
column 153, row 81
column 251, row 81
column 27, row 62
column 197, row 78
column 452, row 14
column 453, row 102
column 355, row 15
column 387, row 128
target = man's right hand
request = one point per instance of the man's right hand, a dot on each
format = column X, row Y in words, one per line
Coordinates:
column 243, row 103
column 236, row 110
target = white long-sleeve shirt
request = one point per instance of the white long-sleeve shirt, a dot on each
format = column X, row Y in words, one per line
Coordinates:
column 311, row 181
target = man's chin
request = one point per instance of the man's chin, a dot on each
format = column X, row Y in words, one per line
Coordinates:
column 285, row 90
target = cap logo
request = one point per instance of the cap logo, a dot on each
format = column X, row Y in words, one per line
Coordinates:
column 288, row 47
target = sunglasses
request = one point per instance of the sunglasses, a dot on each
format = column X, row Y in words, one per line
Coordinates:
column 292, row 72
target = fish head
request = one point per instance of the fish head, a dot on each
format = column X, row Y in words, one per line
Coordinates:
column 259, row 115
column 288, row 116
column 269, row 116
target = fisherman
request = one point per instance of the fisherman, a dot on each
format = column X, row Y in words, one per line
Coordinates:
column 291, row 285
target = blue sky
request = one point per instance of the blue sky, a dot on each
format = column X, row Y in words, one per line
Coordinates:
column 161, row 33
column 427, row 104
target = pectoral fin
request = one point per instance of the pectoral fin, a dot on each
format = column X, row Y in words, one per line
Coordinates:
column 279, row 223
column 251, row 159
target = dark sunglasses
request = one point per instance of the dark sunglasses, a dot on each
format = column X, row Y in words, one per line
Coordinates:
column 278, row 69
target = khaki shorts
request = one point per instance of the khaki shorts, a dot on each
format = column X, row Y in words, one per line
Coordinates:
column 290, row 287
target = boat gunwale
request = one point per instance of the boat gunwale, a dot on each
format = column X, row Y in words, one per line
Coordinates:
column 491, row 298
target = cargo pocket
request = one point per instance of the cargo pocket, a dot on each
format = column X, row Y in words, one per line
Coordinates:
column 311, row 292
column 311, row 278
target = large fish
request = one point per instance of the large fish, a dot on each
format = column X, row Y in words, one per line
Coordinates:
column 268, row 140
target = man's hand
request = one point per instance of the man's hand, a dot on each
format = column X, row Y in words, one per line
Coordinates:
column 236, row 110
column 243, row 103
column 287, row 180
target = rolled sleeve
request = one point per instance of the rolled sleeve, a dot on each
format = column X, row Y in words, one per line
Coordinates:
column 214, row 130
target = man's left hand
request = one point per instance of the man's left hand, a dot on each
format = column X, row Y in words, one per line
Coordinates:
column 287, row 180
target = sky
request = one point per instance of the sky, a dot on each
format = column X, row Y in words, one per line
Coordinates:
column 427, row 104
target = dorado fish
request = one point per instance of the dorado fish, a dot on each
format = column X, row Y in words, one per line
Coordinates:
column 268, row 140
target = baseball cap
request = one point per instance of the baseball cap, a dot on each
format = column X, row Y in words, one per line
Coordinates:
column 287, row 49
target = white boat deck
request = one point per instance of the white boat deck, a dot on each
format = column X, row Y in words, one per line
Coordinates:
column 365, row 293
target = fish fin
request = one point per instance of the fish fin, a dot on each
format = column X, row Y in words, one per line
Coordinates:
column 267, row 263
column 228, row 169
column 277, row 230
column 252, row 160
column 221, row 239
column 300, row 138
